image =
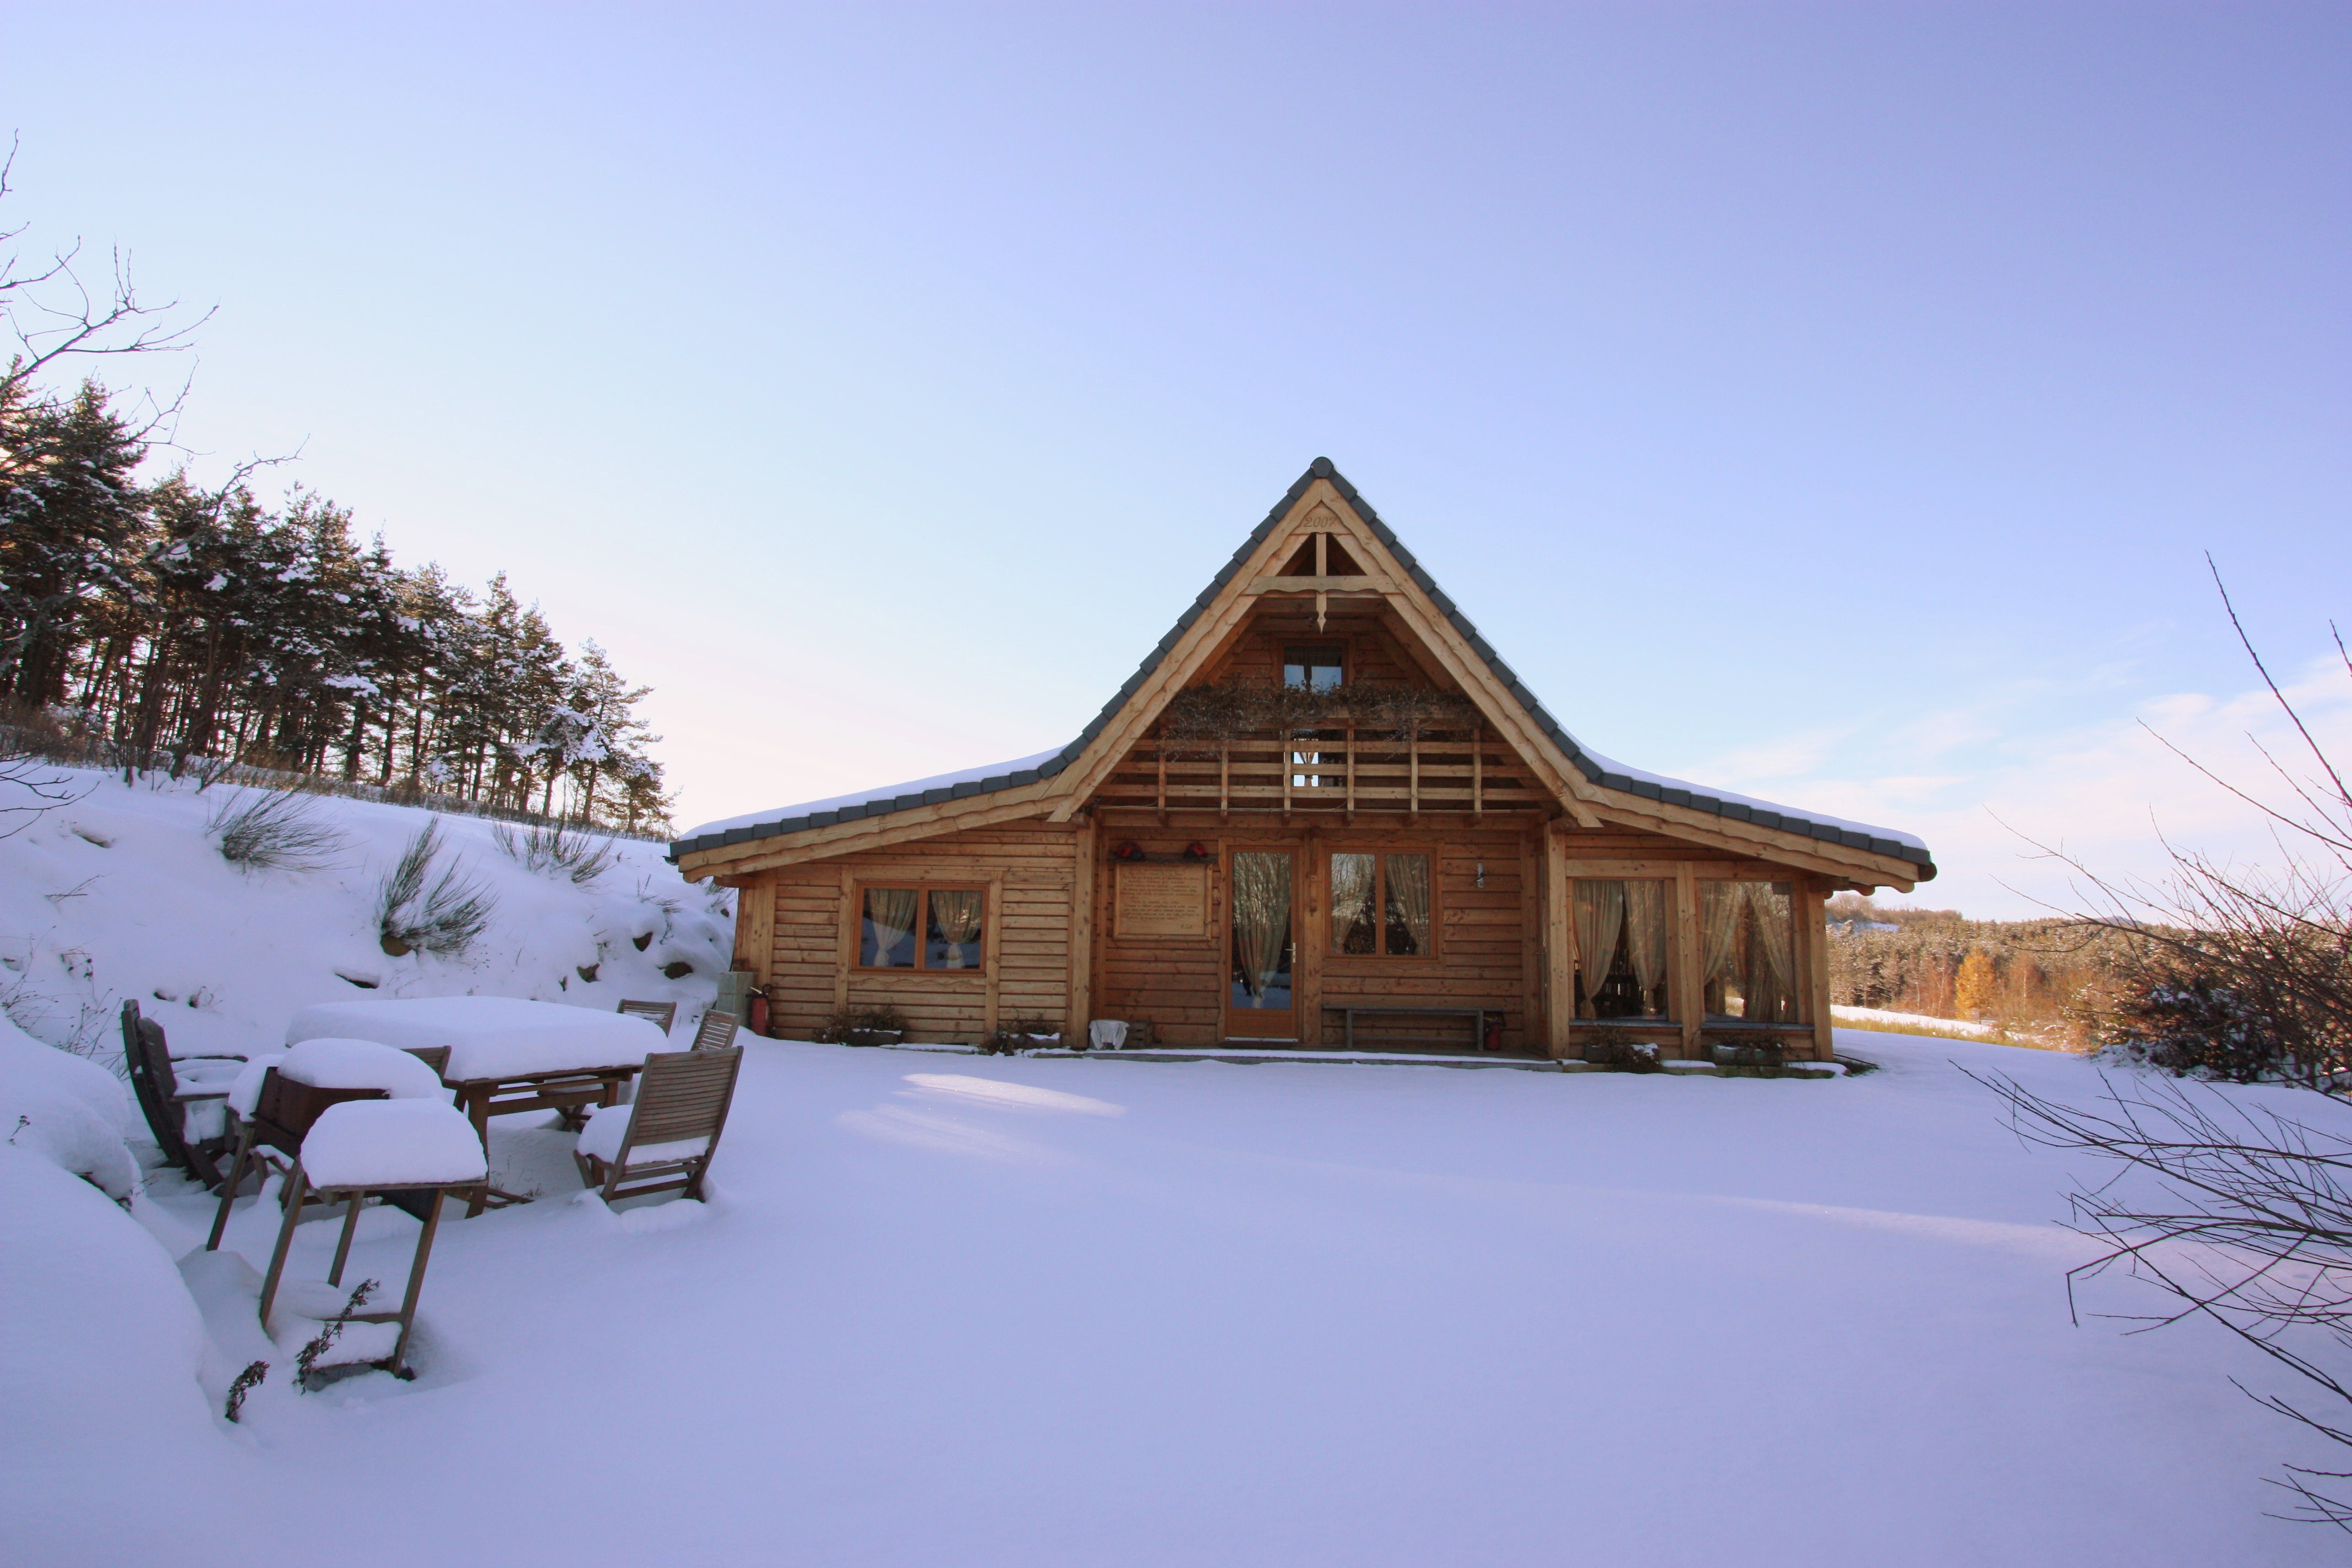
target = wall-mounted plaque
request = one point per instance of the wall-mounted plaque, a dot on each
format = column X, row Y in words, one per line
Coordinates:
column 1161, row 901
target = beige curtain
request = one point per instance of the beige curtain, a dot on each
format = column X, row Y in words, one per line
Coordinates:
column 1646, row 903
column 1351, row 904
column 1719, row 904
column 955, row 920
column 1599, row 916
column 1408, row 900
column 1768, row 908
column 890, row 920
column 1261, row 917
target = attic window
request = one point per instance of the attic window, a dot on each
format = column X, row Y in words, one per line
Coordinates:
column 1320, row 666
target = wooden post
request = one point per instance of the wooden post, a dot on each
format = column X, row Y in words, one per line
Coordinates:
column 1080, row 1011
column 1287, row 759
column 845, row 951
column 1689, row 988
column 1352, row 773
column 1224, row 784
column 1413, row 776
column 1159, row 748
column 1560, row 952
column 1814, row 903
column 755, row 927
column 994, row 938
column 1478, row 769
column 1531, row 940
column 1314, row 942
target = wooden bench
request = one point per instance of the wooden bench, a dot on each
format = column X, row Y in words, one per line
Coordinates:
column 1477, row 1017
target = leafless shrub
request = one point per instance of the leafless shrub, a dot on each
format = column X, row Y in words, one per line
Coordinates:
column 29, row 786
column 564, row 852
column 446, row 917
column 2240, row 1215
column 275, row 830
column 2249, row 1223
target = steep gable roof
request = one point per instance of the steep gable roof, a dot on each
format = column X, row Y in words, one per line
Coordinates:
column 1597, row 770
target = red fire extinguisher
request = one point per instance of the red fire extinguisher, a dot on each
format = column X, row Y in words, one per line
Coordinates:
column 1494, row 1032
column 758, row 1020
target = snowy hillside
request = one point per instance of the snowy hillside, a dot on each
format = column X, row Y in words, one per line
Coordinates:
column 124, row 894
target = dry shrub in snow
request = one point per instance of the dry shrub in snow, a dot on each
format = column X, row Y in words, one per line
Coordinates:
column 446, row 917
column 2242, row 1217
column 561, row 850
column 274, row 830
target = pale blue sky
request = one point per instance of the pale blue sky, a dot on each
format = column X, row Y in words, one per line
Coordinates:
column 1827, row 403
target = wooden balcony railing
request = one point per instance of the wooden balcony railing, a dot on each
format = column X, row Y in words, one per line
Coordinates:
column 1335, row 771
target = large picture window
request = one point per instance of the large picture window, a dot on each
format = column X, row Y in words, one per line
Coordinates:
column 922, row 928
column 1748, row 952
column 1623, row 932
column 1382, row 906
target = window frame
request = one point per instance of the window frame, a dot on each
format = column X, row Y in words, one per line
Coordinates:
column 923, row 891
column 1789, row 885
column 1337, row 645
column 1382, row 955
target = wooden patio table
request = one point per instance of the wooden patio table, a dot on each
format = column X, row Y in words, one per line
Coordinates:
column 506, row 1056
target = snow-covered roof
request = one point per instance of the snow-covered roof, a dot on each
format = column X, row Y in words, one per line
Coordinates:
column 1598, row 769
column 938, row 788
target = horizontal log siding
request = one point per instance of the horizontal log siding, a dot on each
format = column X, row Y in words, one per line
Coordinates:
column 1481, row 954
column 1175, row 985
column 1030, row 869
column 1482, row 957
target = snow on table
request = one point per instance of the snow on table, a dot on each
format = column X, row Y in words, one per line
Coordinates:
column 393, row 1142
column 329, row 1063
column 488, row 1037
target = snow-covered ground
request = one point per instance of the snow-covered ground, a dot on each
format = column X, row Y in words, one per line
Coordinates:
column 979, row 1310
column 1908, row 1023
column 950, row 1310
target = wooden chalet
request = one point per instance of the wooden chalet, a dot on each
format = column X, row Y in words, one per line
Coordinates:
column 1408, row 852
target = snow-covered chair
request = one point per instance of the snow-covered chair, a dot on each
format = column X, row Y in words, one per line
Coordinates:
column 278, row 1099
column 662, row 1013
column 715, row 1032
column 360, row 1148
column 667, row 1136
column 167, row 1104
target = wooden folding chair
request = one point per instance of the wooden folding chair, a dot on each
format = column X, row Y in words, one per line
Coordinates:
column 662, row 1013
column 355, row 1196
column 672, row 1128
column 715, row 1032
column 157, row 1086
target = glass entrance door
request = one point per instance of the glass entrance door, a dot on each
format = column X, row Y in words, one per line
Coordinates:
column 1258, row 1003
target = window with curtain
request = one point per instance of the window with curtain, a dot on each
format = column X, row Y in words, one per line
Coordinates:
column 1382, row 906
column 1748, row 952
column 922, row 928
column 1623, row 930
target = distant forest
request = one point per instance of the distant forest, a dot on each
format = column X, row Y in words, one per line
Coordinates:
column 2050, row 978
column 169, row 623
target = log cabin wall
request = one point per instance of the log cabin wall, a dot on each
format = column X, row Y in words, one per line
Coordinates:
column 1486, row 954
column 1029, row 872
